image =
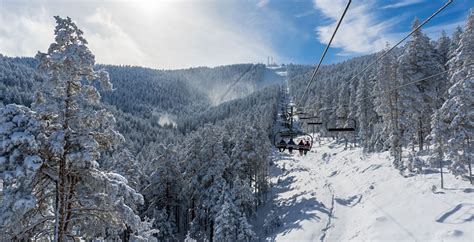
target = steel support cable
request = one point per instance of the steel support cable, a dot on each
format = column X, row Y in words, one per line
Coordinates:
column 323, row 55
column 408, row 83
column 397, row 44
column 234, row 83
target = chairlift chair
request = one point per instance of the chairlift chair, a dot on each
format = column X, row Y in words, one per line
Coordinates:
column 314, row 120
column 292, row 135
column 300, row 113
column 351, row 128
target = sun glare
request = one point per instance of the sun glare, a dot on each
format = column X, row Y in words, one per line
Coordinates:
column 149, row 7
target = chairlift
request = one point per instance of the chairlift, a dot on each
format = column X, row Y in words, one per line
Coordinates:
column 351, row 128
column 308, row 117
column 289, row 139
column 301, row 113
column 313, row 121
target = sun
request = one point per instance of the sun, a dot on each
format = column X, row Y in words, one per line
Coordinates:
column 149, row 8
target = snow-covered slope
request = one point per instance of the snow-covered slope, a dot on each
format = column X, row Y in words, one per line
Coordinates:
column 333, row 194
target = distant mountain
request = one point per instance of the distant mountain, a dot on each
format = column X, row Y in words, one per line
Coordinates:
column 149, row 103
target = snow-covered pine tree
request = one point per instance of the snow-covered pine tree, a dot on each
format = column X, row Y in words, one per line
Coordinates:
column 242, row 196
column 442, row 49
column 248, row 161
column 380, row 133
column 25, row 207
column 226, row 219
column 204, row 166
column 414, row 163
column 242, row 176
column 419, row 100
column 387, row 105
column 89, row 202
column 317, row 104
column 258, row 157
column 457, row 110
column 124, row 163
column 453, row 48
column 244, row 229
column 366, row 116
column 439, row 135
column 442, row 46
column 342, row 111
column 163, row 191
column 166, row 228
column 230, row 223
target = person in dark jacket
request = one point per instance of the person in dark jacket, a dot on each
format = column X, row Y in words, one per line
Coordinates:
column 282, row 145
column 307, row 146
column 291, row 144
column 301, row 147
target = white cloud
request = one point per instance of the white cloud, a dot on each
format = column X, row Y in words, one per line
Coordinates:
column 160, row 34
column 402, row 3
column 435, row 31
column 305, row 13
column 359, row 33
column 262, row 3
column 24, row 35
column 110, row 43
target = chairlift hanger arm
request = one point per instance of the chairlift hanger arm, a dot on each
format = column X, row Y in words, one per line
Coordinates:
column 343, row 129
column 309, row 117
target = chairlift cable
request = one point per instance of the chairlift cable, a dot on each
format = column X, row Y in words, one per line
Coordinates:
column 397, row 44
column 408, row 83
column 323, row 55
column 221, row 99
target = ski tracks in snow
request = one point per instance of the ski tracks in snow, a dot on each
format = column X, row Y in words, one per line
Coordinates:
column 312, row 175
column 304, row 201
column 337, row 194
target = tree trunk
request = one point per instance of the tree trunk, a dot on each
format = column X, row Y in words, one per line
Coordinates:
column 62, row 200
column 355, row 140
column 126, row 234
column 441, row 172
column 70, row 196
column 470, row 170
column 168, row 208
column 62, row 174
column 56, row 209
column 211, row 235
column 441, row 157
column 192, row 210
column 420, row 133
column 468, row 160
column 176, row 216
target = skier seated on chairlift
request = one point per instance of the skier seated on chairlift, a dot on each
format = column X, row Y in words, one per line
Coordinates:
column 307, row 146
column 282, row 145
column 291, row 144
column 301, row 147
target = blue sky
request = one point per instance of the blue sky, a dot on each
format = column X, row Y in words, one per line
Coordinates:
column 397, row 16
column 170, row 34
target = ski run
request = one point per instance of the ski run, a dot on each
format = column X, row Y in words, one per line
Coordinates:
column 338, row 194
